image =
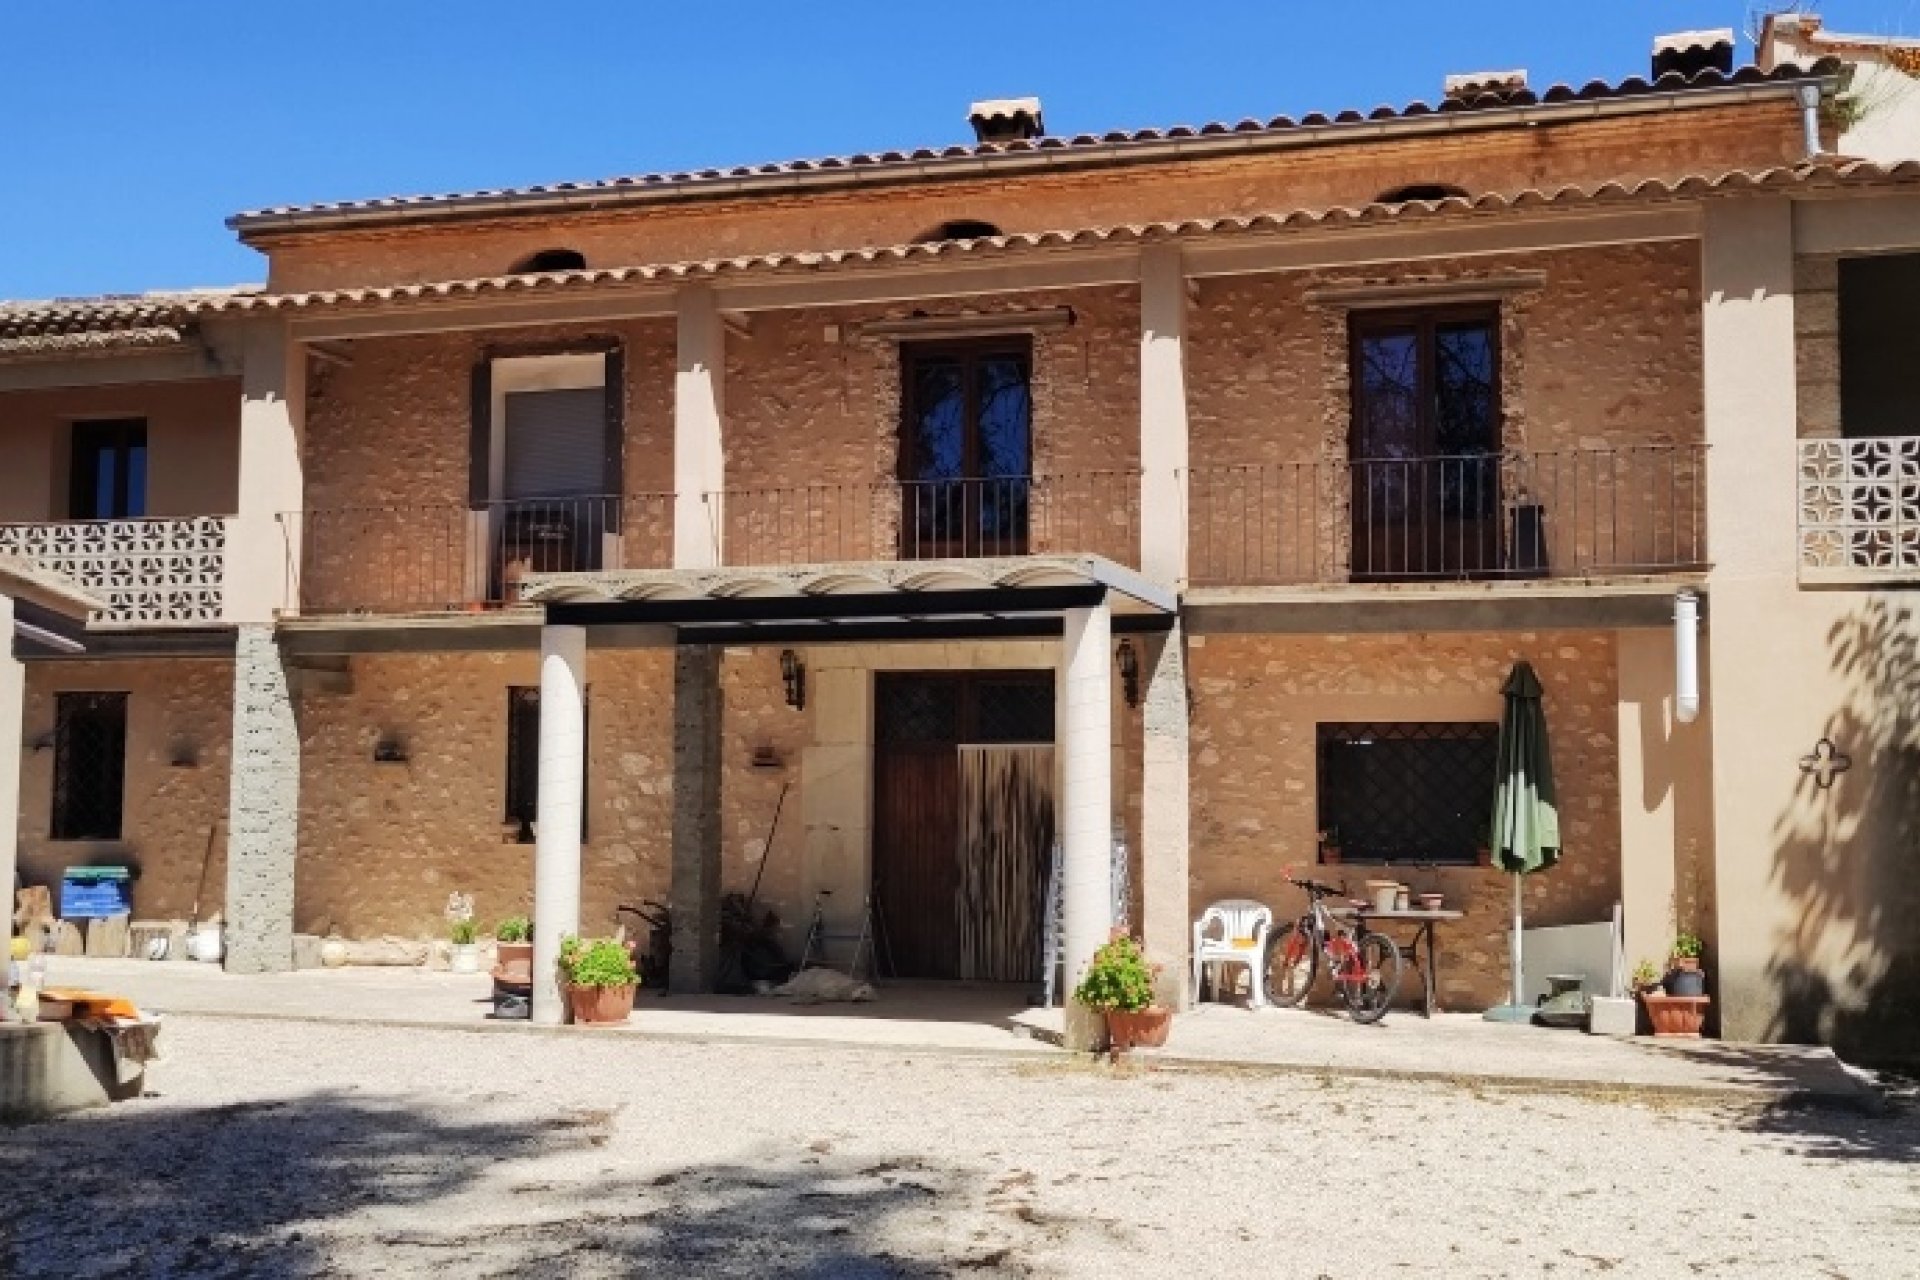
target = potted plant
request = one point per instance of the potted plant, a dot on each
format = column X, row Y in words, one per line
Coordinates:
column 1119, row 983
column 1646, row 977
column 1330, row 847
column 600, row 979
column 1683, row 968
column 513, row 945
column 463, row 933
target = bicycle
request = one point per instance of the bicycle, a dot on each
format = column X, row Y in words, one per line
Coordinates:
column 1365, row 966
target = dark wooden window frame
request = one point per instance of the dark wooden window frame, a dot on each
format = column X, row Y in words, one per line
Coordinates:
column 89, row 765
column 522, row 791
column 973, row 483
column 91, row 438
column 1426, row 322
column 1343, row 833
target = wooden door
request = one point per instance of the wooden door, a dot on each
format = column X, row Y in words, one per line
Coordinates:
column 920, row 720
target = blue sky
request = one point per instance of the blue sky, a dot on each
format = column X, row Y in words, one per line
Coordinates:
column 154, row 121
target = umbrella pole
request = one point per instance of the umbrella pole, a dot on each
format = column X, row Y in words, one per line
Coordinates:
column 1515, row 1010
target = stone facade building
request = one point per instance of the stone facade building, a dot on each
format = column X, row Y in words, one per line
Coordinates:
column 542, row 544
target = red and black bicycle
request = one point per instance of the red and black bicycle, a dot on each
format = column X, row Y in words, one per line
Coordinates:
column 1365, row 966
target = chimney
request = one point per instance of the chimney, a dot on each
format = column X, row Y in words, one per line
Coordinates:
column 1479, row 84
column 1006, row 120
column 1692, row 52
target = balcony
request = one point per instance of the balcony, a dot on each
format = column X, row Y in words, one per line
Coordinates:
column 1581, row 513
column 1860, row 510
column 1076, row 513
column 455, row 558
column 150, row 573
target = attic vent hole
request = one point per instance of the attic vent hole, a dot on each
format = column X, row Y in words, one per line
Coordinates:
column 961, row 229
column 1419, row 191
column 554, row 260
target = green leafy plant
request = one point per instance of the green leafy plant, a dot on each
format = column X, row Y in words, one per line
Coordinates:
column 597, row 962
column 1687, row 947
column 1646, row 975
column 463, row 932
column 513, row 929
column 1119, row 980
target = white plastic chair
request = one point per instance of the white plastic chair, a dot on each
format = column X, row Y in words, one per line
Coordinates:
column 1233, row 932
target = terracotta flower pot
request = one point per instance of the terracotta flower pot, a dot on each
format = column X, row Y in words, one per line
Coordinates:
column 1146, row 1029
column 1676, row 1015
column 600, row 1006
column 510, row 957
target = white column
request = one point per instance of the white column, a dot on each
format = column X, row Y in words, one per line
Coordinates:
column 1086, row 801
column 263, row 547
column 699, row 407
column 13, row 694
column 556, row 854
column 1163, row 415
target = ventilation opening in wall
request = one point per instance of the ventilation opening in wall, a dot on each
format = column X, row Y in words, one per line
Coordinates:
column 1419, row 191
column 960, row 229
column 553, row 260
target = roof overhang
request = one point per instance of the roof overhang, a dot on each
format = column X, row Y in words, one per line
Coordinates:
column 823, row 603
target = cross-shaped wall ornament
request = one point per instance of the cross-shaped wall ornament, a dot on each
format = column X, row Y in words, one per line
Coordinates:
column 1826, row 764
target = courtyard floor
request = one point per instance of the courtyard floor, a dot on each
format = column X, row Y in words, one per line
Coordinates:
column 955, row 1018
column 279, row 1147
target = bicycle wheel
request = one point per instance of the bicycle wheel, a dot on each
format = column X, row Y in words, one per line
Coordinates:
column 1369, row 977
column 1293, row 962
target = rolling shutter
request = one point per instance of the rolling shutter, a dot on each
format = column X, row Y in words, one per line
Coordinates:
column 556, row 444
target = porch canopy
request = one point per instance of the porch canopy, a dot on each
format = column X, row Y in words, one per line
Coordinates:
column 1081, row 599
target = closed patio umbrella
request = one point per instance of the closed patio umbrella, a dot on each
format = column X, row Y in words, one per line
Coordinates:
column 1526, row 826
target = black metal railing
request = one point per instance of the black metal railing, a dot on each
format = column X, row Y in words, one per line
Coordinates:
column 1625, row 510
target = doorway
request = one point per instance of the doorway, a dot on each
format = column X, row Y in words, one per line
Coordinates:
column 963, row 820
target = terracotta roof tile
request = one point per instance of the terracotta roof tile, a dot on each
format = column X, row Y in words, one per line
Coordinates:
column 74, row 315
column 880, row 163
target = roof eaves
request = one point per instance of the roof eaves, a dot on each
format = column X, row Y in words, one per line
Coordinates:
column 1558, row 103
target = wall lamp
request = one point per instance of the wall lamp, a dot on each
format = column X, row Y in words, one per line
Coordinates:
column 794, row 673
column 1129, row 663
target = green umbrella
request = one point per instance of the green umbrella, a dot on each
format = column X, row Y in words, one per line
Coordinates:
column 1526, row 825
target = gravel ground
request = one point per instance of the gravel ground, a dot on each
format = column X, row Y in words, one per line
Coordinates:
column 273, row 1149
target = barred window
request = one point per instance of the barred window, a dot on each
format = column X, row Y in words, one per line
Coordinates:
column 89, row 765
column 1418, row 793
column 523, row 761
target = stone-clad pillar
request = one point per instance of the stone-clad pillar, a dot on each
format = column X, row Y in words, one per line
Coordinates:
column 695, row 896
column 556, row 854
column 1167, row 914
column 1086, row 803
column 263, row 807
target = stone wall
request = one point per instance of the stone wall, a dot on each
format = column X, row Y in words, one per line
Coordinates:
column 174, row 814
column 383, row 844
column 1257, row 701
column 1587, row 154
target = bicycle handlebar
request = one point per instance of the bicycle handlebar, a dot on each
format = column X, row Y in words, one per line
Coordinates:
column 1317, row 890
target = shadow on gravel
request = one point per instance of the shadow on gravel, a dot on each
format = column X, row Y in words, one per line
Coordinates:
column 332, row 1184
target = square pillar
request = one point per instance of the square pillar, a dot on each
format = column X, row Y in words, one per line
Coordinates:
column 263, row 537
column 1164, row 858
column 699, row 407
column 13, row 693
column 695, row 891
column 556, row 851
column 263, row 807
column 1086, row 803
column 1163, row 415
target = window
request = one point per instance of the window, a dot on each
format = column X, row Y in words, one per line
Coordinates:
column 966, row 453
column 523, row 762
column 554, row 462
column 89, row 765
column 109, row 470
column 553, row 260
column 1425, row 442
column 1407, row 792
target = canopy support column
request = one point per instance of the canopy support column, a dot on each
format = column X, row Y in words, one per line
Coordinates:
column 695, row 896
column 556, row 858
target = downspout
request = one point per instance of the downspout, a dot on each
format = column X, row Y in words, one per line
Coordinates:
column 1686, row 657
column 1809, row 93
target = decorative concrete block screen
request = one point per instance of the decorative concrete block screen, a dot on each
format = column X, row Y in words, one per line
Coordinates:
column 149, row 572
column 1860, row 509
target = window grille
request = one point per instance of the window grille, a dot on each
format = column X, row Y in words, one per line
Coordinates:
column 1419, row 793
column 523, row 761
column 89, row 765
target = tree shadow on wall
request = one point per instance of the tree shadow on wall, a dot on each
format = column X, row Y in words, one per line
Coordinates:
column 1845, row 856
column 333, row 1184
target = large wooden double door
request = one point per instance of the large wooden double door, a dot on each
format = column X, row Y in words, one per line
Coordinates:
column 935, row 902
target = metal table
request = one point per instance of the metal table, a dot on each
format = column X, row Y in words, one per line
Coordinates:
column 1423, row 922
